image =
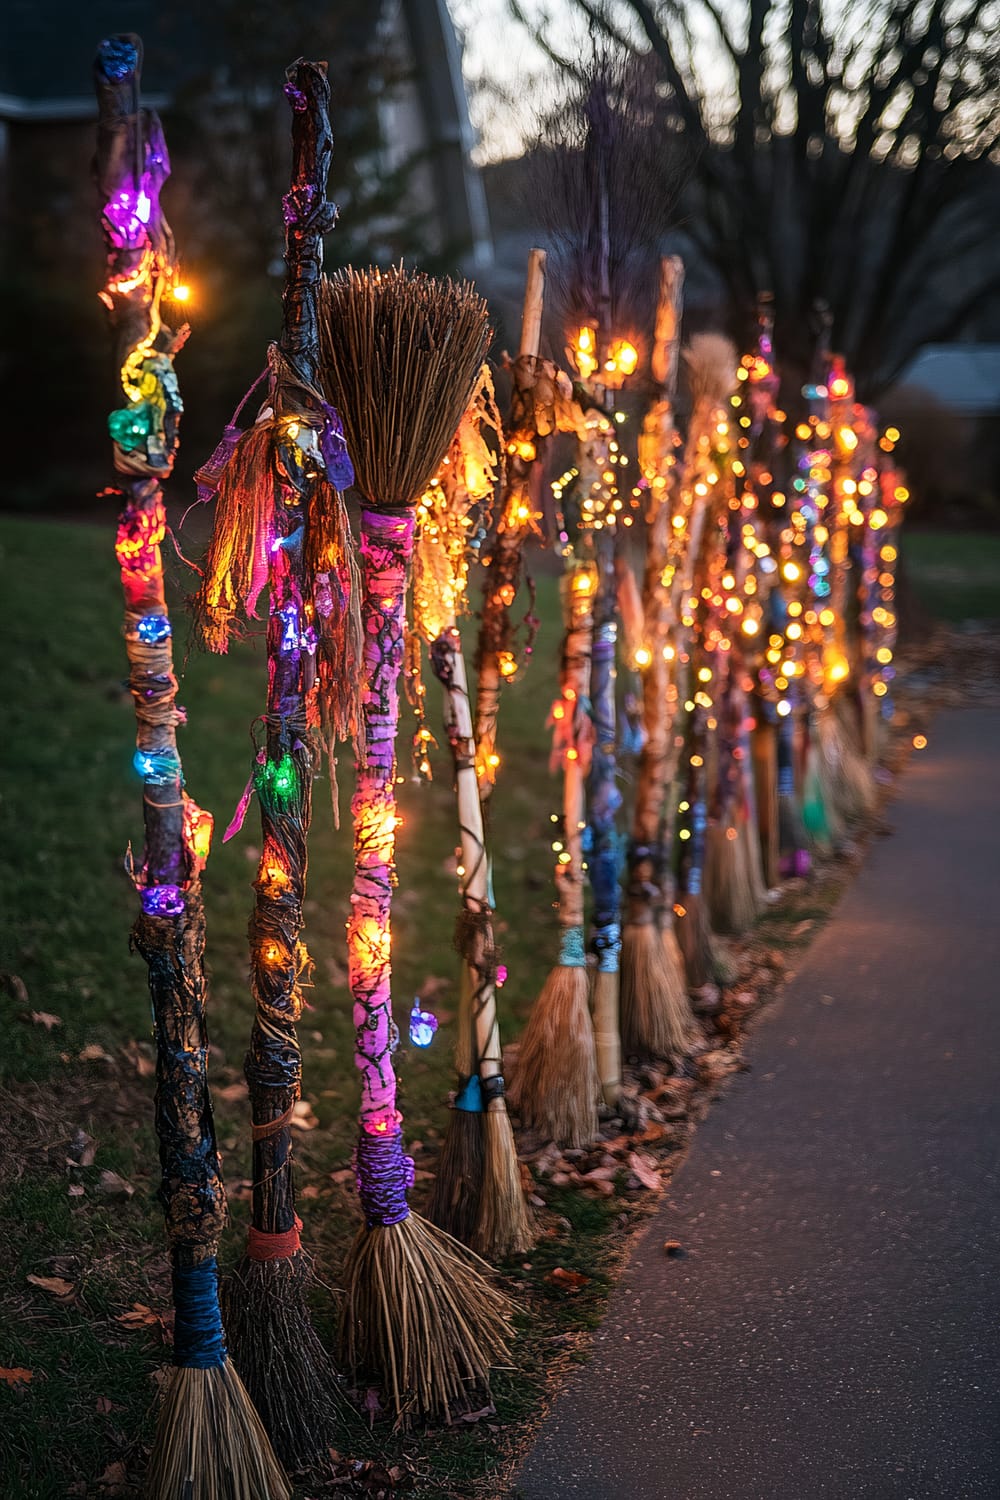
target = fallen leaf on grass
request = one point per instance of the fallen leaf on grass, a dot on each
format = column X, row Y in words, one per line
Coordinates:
column 82, row 1149
column 94, row 1052
column 303, row 1115
column 647, row 1174
column 140, row 1316
column 112, row 1481
column 484, row 1411
column 45, row 1018
column 16, row 988
column 76, row 1190
column 104, row 1405
column 114, row 1186
column 567, row 1281
column 140, row 1059
column 57, row 1286
column 309, row 1191
column 16, row 1376
column 233, row 1091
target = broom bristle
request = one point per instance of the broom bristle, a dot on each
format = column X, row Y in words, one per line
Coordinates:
column 210, row 1444
column 734, row 885
column 504, row 1226
column 851, row 781
column 656, row 1017
column 458, row 1186
column 421, row 1319
column 401, row 357
column 287, row 1372
column 819, row 812
column 694, row 938
column 556, row 1085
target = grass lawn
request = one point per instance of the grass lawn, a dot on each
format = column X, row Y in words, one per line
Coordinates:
column 77, row 1153
column 956, row 574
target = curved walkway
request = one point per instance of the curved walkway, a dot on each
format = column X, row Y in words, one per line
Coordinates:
column 833, row 1331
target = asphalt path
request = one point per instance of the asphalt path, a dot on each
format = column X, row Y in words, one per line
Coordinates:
column 833, row 1330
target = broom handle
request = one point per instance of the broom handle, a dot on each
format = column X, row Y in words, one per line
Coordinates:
column 449, row 665
column 575, row 690
column 504, row 572
column 277, row 956
column 658, row 758
column 131, row 165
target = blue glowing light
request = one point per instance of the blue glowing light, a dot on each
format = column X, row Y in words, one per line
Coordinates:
column 152, row 629
column 423, row 1025
column 158, row 766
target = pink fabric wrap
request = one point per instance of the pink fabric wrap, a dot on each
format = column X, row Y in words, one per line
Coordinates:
column 386, row 549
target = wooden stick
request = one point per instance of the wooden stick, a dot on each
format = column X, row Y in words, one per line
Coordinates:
column 503, row 576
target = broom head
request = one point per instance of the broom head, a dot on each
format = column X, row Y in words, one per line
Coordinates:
column 210, row 1443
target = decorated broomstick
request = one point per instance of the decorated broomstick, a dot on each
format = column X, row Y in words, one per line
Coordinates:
column 280, row 522
column 477, row 1194
column 734, row 879
column 209, row 1440
column 705, row 489
column 402, row 354
column 655, row 1011
column 556, row 1086
column 496, row 659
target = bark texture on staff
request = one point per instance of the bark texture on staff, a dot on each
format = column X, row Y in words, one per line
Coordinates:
column 209, row 1440
column 287, row 1370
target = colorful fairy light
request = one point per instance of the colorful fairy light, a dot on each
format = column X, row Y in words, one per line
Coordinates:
column 423, row 1025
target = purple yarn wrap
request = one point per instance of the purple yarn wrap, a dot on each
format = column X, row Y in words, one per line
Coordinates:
column 385, row 1176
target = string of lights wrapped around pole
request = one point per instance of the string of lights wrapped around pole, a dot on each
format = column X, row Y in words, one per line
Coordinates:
column 496, row 657
column 477, row 1196
column 655, row 1011
column 280, row 523
column 402, row 355
column 209, row 1439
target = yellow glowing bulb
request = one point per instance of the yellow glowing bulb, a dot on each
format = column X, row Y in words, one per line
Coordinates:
column 879, row 689
column 784, row 707
column 791, row 571
column 794, row 630
column 847, row 438
column 750, row 627
column 181, row 292
column 623, row 357
column 643, row 656
column 920, row 742
column 883, row 654
column 878, row 519
column 892, row 433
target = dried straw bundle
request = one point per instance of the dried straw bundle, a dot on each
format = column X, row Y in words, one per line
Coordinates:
column 210, row 1444
column 401, row 359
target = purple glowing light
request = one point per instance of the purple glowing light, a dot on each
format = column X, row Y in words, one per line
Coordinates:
column 501, row 976
column 162, row 900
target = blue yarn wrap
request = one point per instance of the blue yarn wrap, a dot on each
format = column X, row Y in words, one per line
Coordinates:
column 572, row 954
column 199, row 1340
column 470, row 1096
column 608, row 947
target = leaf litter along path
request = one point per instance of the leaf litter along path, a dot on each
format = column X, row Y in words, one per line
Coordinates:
column 823, row 1326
